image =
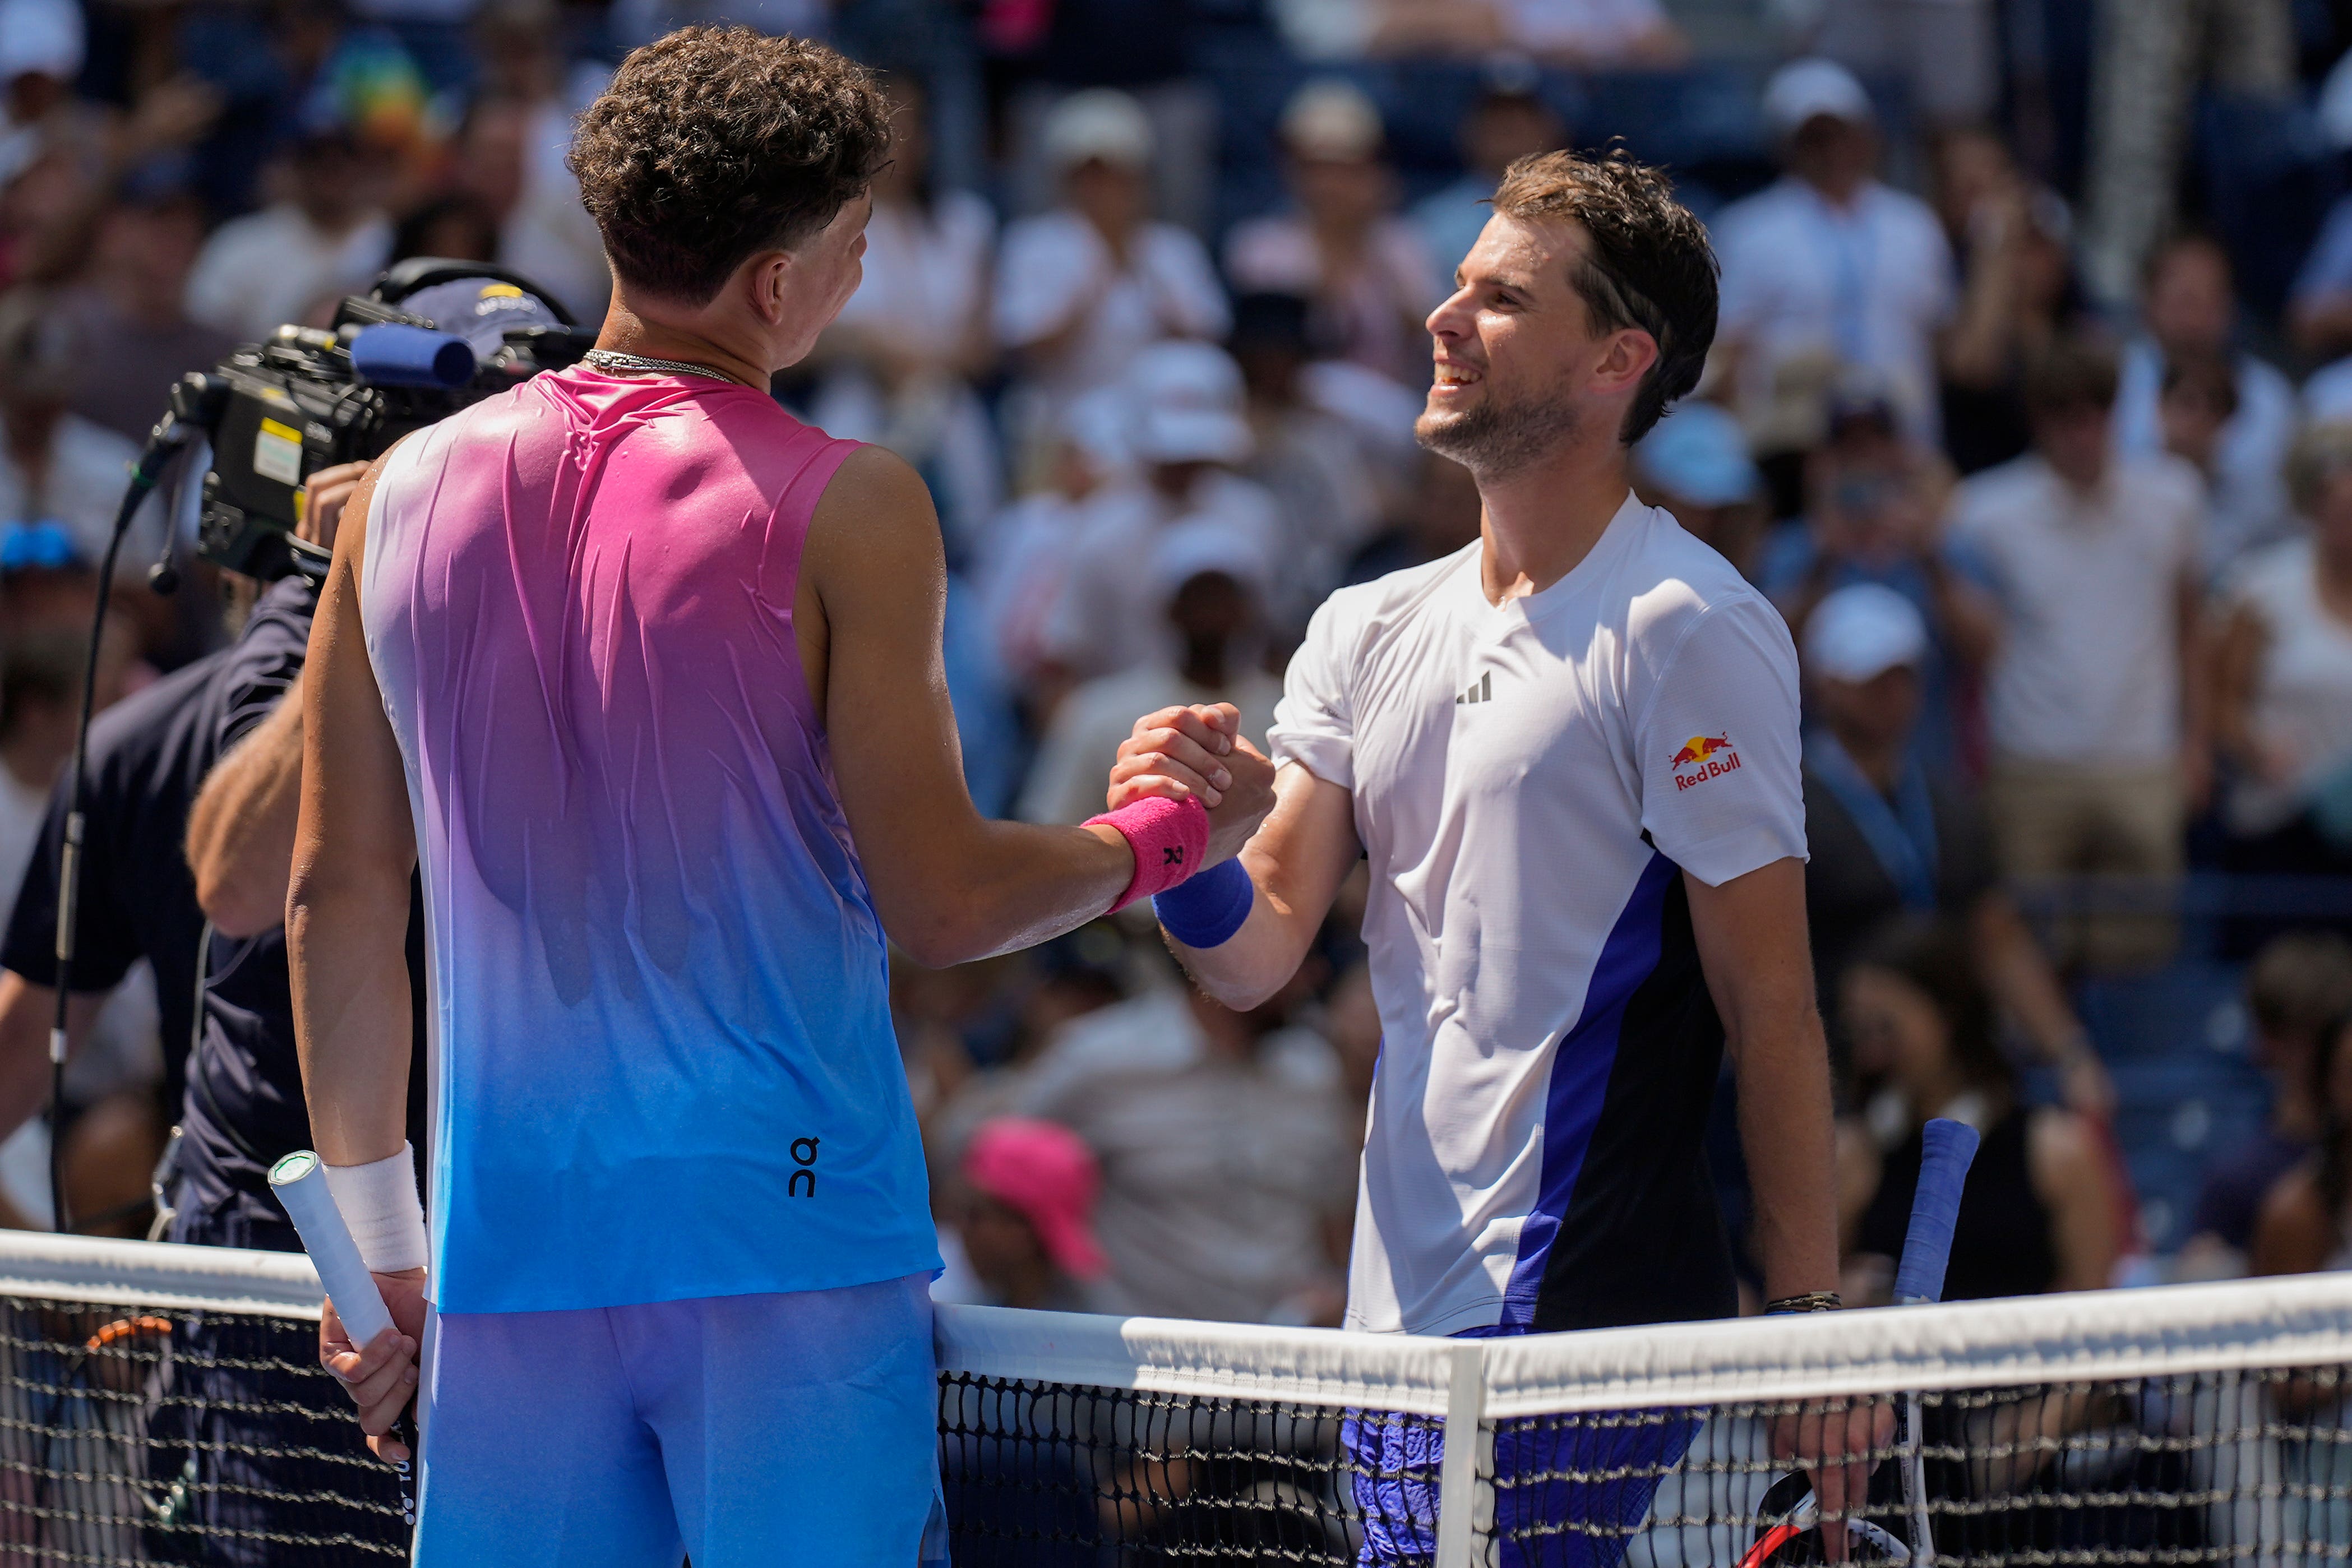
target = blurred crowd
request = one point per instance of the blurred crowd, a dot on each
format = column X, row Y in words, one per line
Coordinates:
column 2031, row 407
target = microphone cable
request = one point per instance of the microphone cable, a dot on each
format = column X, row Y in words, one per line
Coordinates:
column 171, row 435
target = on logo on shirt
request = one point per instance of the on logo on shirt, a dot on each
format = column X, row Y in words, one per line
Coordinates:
column 1703, row 758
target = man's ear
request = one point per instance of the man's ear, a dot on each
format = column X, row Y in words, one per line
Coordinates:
column 770, row 274
column 1625, row 358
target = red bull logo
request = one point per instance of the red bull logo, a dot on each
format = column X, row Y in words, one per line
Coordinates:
column 1704, row 758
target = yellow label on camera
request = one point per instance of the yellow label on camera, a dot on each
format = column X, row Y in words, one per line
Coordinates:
column 277, row 453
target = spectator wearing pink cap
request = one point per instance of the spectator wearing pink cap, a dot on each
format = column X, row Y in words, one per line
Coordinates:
column 1028, row 1217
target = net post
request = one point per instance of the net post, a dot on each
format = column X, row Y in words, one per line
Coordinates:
column 1457, row 1478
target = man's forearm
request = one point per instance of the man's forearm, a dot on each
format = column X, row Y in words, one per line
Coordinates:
column 347, row 948
column 241, row 827
column 1013, row 886
column 1785, row 1130
column 26, row 1014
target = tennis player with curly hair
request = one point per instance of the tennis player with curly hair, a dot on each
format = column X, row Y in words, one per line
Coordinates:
column 646, row 675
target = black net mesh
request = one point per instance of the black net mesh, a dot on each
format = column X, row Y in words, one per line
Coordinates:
column 2230, row 1467
column 138, row 1436
column 2217, row 1468
column 150, row 1436
column 1059, row 1476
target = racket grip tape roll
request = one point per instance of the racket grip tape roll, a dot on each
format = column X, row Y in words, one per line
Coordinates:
column 301, row 1182
column 1935, row 1209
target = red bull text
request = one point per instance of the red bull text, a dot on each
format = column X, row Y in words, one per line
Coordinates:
column 1706, row 756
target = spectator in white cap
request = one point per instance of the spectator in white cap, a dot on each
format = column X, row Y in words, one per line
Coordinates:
column 1695, row 463
column 1829, row 268
column 1024, row 554
column 1342, row 244
column 1081, row 289
column 41, row 44
column 1209, row 577
column 1889, row 838
column 1188, row 428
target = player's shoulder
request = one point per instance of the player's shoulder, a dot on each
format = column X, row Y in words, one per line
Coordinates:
column 877, row 504
column 1670, row 578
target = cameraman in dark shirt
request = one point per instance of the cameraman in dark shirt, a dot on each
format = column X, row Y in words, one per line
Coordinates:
column 244, row 1107
column 189, row 761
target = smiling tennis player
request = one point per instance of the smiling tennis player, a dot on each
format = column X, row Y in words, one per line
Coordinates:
column 1569, row 751
column 646, row 674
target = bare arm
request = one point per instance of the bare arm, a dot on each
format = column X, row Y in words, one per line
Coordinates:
column 1296, row 862
column 241, row 827
column 2196, row 704
column 2071, row 1175
column 2019, row 977
column 1752, row 944
column 347, row 902
column 2322, row 326
column 346, row 945
column 2293, row 1234
column 950, row 886
column 27, row 1011
column 2235, row 660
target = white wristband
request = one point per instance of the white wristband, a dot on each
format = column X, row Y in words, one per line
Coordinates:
column 379, row 1206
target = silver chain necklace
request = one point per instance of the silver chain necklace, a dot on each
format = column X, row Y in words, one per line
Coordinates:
column 611, row 360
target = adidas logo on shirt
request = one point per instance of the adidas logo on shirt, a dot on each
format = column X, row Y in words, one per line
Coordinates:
column 1482, row 690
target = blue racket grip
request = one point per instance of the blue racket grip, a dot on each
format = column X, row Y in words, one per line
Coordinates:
column 390, row 354
column 1934, row 1211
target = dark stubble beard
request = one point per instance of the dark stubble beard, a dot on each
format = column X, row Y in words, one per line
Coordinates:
column 1498, row 438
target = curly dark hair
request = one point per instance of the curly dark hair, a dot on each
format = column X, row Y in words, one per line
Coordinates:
column 1648, row 266
column 714, row 144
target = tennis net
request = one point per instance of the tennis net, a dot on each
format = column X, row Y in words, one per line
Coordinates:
column 164, row 1405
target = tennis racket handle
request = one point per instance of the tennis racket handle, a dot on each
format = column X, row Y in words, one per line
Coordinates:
column 1934, row 1211
column 301, row 1182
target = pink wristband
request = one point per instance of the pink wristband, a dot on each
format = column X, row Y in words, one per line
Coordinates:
column 1170, row 838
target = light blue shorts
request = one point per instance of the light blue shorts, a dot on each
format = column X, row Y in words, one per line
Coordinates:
column 744, row 1431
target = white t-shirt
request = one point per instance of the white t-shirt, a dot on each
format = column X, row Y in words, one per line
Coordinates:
column 1168, row 289
column 259, row 272
column 2088, row 669
column 1868, row 285
column 1529, row 781
column 2303, row 692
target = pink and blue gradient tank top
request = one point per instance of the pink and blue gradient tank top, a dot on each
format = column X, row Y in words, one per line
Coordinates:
column 664, row 1064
